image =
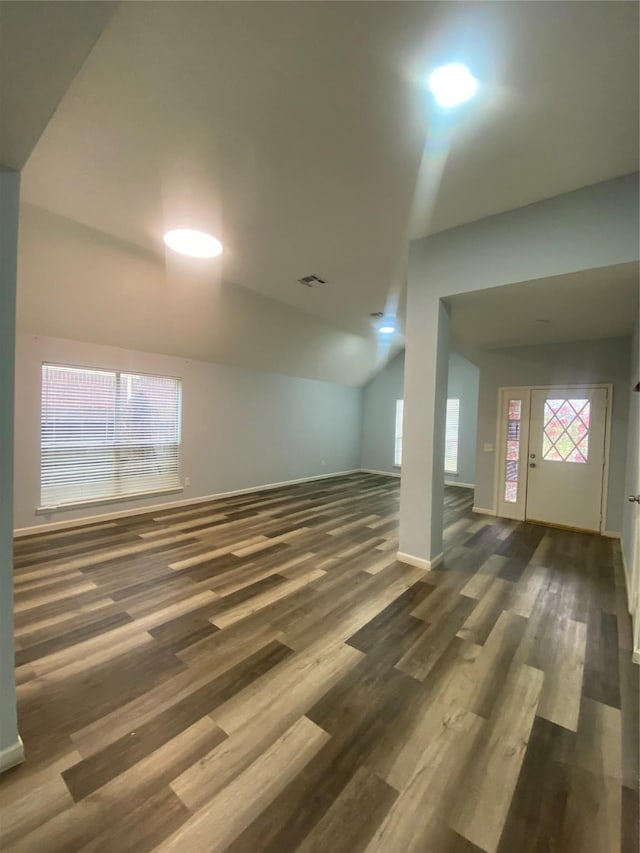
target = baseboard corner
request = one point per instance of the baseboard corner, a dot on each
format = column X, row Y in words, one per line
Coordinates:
column 483, row 510
column 420, row 562
column 12, row 755
column 436, row 561
column 611, row 534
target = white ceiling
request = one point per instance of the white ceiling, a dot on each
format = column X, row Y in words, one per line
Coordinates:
column 302, row 134
column 79, row 284
column 42, row 47
column 597, row 303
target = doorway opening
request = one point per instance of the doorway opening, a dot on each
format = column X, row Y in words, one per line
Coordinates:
column 553, row 455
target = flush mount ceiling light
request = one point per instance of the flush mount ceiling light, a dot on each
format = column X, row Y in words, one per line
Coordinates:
column 452, row 84
column 387, row 327
column 195, row 244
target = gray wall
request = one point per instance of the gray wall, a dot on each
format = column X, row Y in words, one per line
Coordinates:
column 477, row 384
column 240, row 428
column 588, row 362
column 631, row 513
column 592, row 227
column 379, row 415
column 464, row 383
column 9, row 199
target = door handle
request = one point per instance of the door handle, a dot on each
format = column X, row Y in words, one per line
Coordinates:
column 634, row 498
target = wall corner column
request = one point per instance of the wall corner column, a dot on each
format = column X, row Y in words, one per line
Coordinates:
column 11, row 749
column 425, row 393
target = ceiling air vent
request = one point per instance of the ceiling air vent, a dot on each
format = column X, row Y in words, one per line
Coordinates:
column 311, row 280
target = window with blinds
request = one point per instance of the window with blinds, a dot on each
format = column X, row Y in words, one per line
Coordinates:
column 451, row 436
column 397, row 451
column 106, row 434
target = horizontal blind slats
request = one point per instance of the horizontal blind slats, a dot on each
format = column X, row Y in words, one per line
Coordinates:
column 397, row 453
column 107, row 434
column 451, row 435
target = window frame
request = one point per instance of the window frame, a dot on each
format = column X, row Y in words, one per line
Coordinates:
column 447, row 438
column 397, row 435
column 46, row 509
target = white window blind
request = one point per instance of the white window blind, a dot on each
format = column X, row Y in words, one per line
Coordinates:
column 451, row 436
column 397, row 453
column 106, row 434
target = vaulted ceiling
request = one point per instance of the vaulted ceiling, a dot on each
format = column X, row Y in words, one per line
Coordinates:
column 303, row 135
column 42, row 48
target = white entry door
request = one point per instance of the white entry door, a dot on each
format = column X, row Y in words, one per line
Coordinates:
column 566, row 456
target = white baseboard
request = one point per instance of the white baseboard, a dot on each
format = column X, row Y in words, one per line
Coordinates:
column 462, row 485
column 109, row 516
column 420, row 562
column 382, row 473
column 12, row 755
column 435, row 562
column 483, row 510
column 635, row 616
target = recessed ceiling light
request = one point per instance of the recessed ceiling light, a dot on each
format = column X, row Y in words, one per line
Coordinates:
column 452, row 84
column 387, row 328
column 195, row 244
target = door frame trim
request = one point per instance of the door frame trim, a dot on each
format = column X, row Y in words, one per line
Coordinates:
column 501, row 442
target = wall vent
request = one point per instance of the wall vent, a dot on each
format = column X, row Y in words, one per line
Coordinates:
column 311, row 280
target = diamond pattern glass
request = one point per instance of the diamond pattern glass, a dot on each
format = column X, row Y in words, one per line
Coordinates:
column 565, row 436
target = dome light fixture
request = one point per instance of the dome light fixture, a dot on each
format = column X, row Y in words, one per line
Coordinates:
column 194, row 244
column 452, row 84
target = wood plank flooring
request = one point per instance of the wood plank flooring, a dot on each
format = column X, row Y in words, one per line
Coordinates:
column 259, row 673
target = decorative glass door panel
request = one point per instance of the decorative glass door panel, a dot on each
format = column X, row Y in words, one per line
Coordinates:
column 511, row 473
column 566, row 456
column 512, row 452
column 566, row 430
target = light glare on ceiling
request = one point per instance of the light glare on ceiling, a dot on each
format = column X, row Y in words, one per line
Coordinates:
column 195, row 244
column 452, row 84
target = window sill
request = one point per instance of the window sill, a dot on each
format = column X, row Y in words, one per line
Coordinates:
column 47, row 510
column 452, row 473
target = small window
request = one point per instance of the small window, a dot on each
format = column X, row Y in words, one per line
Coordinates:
column 514, row 416
column 397, row 454
column 451, row 436
column 106, row 434
column 565, row 436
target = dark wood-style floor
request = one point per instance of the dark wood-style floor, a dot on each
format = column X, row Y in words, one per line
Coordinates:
column 258, row 673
